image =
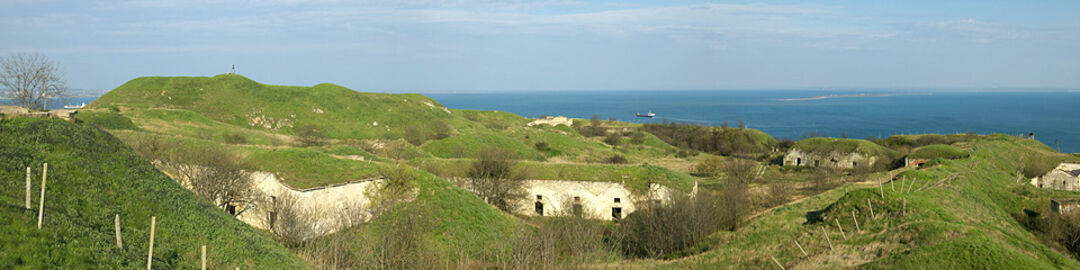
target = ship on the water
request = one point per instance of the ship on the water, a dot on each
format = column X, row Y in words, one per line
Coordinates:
column 647, row 115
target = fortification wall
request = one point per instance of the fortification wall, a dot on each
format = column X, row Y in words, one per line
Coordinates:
column 597, row 200
column 798, row 158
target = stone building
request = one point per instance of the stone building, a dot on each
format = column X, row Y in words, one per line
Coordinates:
column 1064, row 206
column 589, row 199
column 1065, row 177
column 797, row 158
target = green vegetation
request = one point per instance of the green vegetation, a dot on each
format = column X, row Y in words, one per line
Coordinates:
column 963, row 214
column 92, row 177
column 720, row 140
column 239, row 101
column 105, row 119
column 307, row 168
column 938, row 151
column 469, row 145
column 635, row 177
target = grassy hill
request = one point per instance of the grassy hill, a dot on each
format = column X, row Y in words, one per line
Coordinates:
column 92, row 177
column 963, row 214
column 236, row 100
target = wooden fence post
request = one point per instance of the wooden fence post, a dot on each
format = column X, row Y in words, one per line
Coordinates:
column 857, row 229
column 204, row 257
column 41, row 206
column 27, row 188
column 871, row 208
column 841, row 228
column 119, row 244
column 777, row 263
column 905, row 207
column 801, row 249
column 150, row 253
column 827, row 236
column 880, row 188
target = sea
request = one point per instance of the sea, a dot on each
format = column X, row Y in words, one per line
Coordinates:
column 1054, row 117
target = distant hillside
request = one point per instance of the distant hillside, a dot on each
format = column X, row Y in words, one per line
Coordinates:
column 233, row 99
column 967, row 213
column 92, row 176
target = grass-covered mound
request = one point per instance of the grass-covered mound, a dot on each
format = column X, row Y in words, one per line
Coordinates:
column 826, row 146
column 444, row 226
column 233, row 99
column 713, row 139
column 938, row 151
column 960, row 215
column 105, row 119
column 636, row 177
column 469, row 145
column 92, row 177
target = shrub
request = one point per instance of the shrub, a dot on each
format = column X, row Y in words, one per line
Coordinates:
column 613, row 139
column 663, row 229
column 492, row 177
column 310, row 135
column 441, row 129
column 637, row 137
column 106, row 120
column 414, row 135
column 235, row 139
column 617, row 159
column 1034, row 165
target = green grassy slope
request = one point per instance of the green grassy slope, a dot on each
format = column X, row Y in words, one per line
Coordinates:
column 92, row 177
column 957, row 215
column 236, row 100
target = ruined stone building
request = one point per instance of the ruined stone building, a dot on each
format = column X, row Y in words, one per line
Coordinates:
column 1065, row 177
column 798, row 158
column 589, row 199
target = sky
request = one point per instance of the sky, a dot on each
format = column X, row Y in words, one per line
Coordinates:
column 485, row 45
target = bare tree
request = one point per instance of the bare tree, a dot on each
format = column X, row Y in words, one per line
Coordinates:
column 31, row 79
column 289, row 221
column 396, row 188
column 494, row 180
column 217, row 176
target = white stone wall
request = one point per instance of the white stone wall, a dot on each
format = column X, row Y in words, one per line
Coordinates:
column 327, row 205
column 795, row 157
column 596, row 198
column 1066, row 176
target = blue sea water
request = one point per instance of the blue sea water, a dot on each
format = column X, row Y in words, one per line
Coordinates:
column 1052, row 116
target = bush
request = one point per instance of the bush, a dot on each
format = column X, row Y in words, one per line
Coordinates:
column 310, row 135
column 1034, row 165
column 663, row 229
column 617, row 159
column 493, row 179
column 414, row 135
column 235, row 139
column 637, row 137
column 613, row 139
column 106, row 120
column 715, row 139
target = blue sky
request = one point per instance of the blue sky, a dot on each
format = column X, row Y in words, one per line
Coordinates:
column 465, row 45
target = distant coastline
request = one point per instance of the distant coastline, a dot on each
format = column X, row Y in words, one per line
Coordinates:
column 855, row 95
